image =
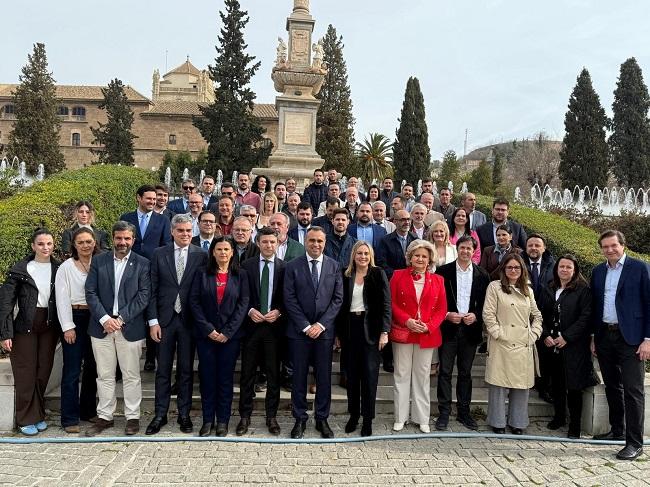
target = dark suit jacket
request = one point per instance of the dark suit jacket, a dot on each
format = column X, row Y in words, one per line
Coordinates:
column 490, row 260
column 197, row 241
column 293, row 233
column 390, row 256
column 376, row 300
column 213, row 199
column 545, row 270
column 324, row 222
column 133, row 295
column 165, row 286
column 340, row 251
column 305, row 306
column 378, row 232
column 227, row 317
column 252, row 268
column 158, row 233
column 294, row 249
column 251, row 250
column 632, row 300
column 101, row 239
column 486, row 236
column 168, row 213
column 480, row 281
column 176, row 206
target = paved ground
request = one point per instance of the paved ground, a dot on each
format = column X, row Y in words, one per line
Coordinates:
column 425, row 461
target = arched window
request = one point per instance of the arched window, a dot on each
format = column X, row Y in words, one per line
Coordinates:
column 62, row 111
column 172, row 139
column 76, row 139
column 9, row 111
column 79, row 113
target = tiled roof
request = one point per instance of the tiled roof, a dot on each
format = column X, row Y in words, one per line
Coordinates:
column 186, row 68
column 79, row 92
column 261, row 110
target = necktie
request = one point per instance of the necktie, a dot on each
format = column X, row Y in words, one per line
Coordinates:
column 264, row 289
column 206, row 245
column 534, row 275
column 403, row 242
column 180, row 269
column 143, row 224
column 314, row 274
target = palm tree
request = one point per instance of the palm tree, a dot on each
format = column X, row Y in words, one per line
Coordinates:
column 375, row 156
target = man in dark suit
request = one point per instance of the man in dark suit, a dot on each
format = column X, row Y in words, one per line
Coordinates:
column 365, row 229
column 207, row 227
column 172, row 271
column 313, row 293
column 391, row 254
column 118, row 289
column 476, row 217
column 263, row 330
column 487, row 232
column 621, row 340
column 207, row 192
column 465, row 287
column 304, row 215
column 180, row 205
column 152, row 231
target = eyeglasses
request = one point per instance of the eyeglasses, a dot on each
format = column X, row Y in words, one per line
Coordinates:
column 208, row 222
column 195, row 203
column 513, row 268
column 240, row 230
column 188, row 188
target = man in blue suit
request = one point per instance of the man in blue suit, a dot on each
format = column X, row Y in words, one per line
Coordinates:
column 313, row 293
column 152, row 230
column 621, row 340
column 391, row 253
column 181, row 205
column 365, row 229
column 118, row 289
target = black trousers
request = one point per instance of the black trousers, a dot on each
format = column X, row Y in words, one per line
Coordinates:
column 362, row 361
column 458, row 350
column 260, row 348
column 152, row 350
column 623, row 374
column 561, row 393
column 303, row 352
column 177, row 339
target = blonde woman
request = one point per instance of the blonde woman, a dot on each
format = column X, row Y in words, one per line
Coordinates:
column 439, row 237
column 269, row 208
column 419, row 306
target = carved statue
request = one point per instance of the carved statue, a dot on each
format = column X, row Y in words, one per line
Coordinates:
column 317, row 60
column 281, row 53
column 155, row 88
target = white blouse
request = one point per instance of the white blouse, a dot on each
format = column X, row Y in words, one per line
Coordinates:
column 41, row 272
column 70, row 289
column 356, row 303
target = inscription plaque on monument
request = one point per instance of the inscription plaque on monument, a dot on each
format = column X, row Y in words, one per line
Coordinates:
column 297, row 128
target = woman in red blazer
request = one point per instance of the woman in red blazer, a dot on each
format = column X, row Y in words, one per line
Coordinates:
column 419, row 306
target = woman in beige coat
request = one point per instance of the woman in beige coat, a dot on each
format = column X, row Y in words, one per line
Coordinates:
column 513, row 323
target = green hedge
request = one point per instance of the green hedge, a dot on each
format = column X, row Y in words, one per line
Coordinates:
column 50, row 203
column 562, row 236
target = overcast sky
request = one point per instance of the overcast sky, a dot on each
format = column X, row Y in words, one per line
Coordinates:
column 502, row 69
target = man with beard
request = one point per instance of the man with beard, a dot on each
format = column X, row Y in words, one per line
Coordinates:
column 244, row 195
column 339, row 243
column 487, row 232
column 316, row 192
column 180, row 205
column 304, row 216
column 162, row 197
column 364, row 229
column 325, row 221
column 387, row 195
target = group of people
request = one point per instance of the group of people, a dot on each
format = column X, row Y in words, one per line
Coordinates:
column 281, row 279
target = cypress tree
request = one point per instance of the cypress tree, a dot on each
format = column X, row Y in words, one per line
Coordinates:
column 411, row 154
column 630, row 139
column 584, row 157
column 233, row 135
column 497, row 169
column 35, row 135
column 480, row 179
column 115, row 135
column 334, row 121
column 449, row 169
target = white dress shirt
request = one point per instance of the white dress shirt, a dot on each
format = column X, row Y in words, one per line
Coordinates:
column 281, row 251
column 119, row 266
column 463, row 288
column 70, row 290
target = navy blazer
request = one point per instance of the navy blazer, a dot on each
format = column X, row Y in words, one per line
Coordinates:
column 632, row 300
column 227, row 317
column 165, row 286
column 304, row 305
column 177, row 207
column 252, row 268
column 389, row 255
column 158, row 233
column 486, row 235
column 133, row 294
column 293, row 233
column 378, row 233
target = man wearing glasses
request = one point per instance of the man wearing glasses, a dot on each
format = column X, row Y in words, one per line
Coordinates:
column 207, row 230
column 181, row 205
column 195, row 205
column 250, row 212
column 241, row 234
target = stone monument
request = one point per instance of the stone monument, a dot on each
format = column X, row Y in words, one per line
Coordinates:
column 298, row 79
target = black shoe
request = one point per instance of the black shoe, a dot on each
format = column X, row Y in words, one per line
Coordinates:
column 546, row 397
column 242, row 427
column 149, row 366
column 174, row 389
column 206, row 429
column 629, row 453
column 222, row 429
column 499, row 431
column 388, row 367
column 609, row 436
column 352, row 423
column 467, row 421
column 574, row 434
column 556, row 424
column 324, row 428
column 298, row 430
column 442, row 422
column 155, row 425
column 366, row 427
column 516, row 431
column 273, row 426
column 482, row 348
column 287, row 384
column 185, row 423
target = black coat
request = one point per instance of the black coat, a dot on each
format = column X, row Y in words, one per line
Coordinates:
column 101, row 239
column 574, row 325
column 252, row 268
column 20, row 289
column 480, row 281
column 486, row 235
column 376, row 300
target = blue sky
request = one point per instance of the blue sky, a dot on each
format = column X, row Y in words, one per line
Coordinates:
column 500, row 68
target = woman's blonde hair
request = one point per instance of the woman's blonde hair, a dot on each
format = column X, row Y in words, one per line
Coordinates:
column 434, row 226
column 352, row 267
column 270, row 195
column 422, row 244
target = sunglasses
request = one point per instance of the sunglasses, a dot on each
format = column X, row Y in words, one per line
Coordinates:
column 187, row 188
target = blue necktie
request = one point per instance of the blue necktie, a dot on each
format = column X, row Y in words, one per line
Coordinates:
column 206, row 245
column 314, row 274
column 535, row 275
column 143, row 224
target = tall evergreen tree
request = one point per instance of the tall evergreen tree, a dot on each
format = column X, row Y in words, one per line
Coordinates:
column 584, row 157
column 411, row 154
column 233, row 134
column 497, row 168
column 630, row 139
column 115, row 136
column 480, row 179
column 449, row 169
column 35, row 135
column 334, row 122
